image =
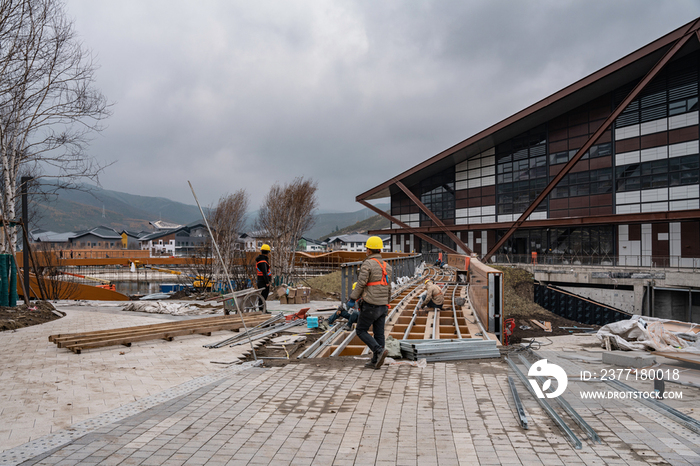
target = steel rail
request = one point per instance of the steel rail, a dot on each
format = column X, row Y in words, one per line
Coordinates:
column 454, row 312
column 656, row 405
column 327, row 341
column 567, row 407
column 271, row 331
column 518, row 404
column 344, row 344
column 253, row 330
column 546, row 407
column 320, row 341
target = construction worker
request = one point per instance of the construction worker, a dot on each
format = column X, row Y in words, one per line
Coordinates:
column 351, row 314
column 264, row 271
column 374, row 287
column 432, row 297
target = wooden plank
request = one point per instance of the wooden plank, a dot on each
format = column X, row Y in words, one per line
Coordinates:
column 216, row 325
column 100, row 343
column 547, row 326
column 538, row 323
column 63, row 341
column 53, row 338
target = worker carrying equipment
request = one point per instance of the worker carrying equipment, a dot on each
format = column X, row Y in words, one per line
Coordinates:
column 263, row 270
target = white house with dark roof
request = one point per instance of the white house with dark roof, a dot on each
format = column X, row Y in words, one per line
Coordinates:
column 355, row 242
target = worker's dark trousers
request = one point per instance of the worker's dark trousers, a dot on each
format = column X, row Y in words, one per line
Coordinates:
column 372, row 316
column 265, row 289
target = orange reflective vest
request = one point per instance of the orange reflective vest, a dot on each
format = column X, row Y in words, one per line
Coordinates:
column 260, row 272
column 383, row 281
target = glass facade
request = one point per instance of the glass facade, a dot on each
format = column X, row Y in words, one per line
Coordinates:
column 521, row 172
column 647, row 161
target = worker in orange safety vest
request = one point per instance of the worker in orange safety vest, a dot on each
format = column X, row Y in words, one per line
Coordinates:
column 374, row 287
column 263, row 270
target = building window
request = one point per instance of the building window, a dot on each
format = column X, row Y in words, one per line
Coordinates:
column 521, row 172
column 437, row 193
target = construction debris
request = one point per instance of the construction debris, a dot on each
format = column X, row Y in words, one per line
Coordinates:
column 649, row 333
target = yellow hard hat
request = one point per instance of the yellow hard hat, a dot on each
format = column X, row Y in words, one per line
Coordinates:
column 265, row 247
column 374, row 242
column 353, row 285
column 428, row 281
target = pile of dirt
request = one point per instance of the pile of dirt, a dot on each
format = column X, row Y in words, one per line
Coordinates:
column 323, row 288
column 518, row 291
column 39, row 312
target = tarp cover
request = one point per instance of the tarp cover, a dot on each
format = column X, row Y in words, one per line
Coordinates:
column 647, row 333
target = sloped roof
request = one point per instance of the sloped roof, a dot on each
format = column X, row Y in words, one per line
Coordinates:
column 627, row 69
column 354, row 238
column 101, row 232
column 163, row 225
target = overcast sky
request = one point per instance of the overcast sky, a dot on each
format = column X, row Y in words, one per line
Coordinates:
column 243, row 94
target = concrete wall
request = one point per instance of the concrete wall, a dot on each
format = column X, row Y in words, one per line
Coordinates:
column 619, row 299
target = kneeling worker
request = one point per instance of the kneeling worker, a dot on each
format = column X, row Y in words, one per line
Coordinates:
column 374, row 287
column 350, row 314
column 433, row 296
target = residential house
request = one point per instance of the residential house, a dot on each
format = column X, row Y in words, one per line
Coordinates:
column 311, row 245
column 355, row 242
column 181, row 241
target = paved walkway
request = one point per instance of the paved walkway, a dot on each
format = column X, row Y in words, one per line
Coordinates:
column 179, row 409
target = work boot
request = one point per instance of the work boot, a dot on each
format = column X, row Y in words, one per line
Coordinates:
column 381, row 357
column 373, row 362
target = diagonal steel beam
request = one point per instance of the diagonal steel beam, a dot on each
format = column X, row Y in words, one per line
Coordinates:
column 430, row 240
column 630, row 97
column 433, row 217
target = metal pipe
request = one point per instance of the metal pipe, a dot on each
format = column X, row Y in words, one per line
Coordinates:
column 223, row 266
column 546, row 407
column 327, row 342
column 568, row 408
column 344, row 344
column 454, row 312
column 518, row 404
column 318, row 342
column 666, row 410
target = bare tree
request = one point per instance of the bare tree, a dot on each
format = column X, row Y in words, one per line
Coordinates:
column 55, row 283
column 48, row 103
column 287, row 212
column 227, row 221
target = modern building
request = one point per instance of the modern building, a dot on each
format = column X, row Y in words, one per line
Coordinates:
column 606, row 170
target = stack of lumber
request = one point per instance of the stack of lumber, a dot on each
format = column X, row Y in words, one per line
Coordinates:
column 78, row 342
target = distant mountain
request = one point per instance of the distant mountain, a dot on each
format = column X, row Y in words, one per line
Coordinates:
column 376, row 222
column 328, row 222
column 72, row 210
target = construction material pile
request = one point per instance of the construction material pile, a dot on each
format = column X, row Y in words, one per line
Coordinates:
column 449, row 350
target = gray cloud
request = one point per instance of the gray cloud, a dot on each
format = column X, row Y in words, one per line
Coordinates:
column 239, row 94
